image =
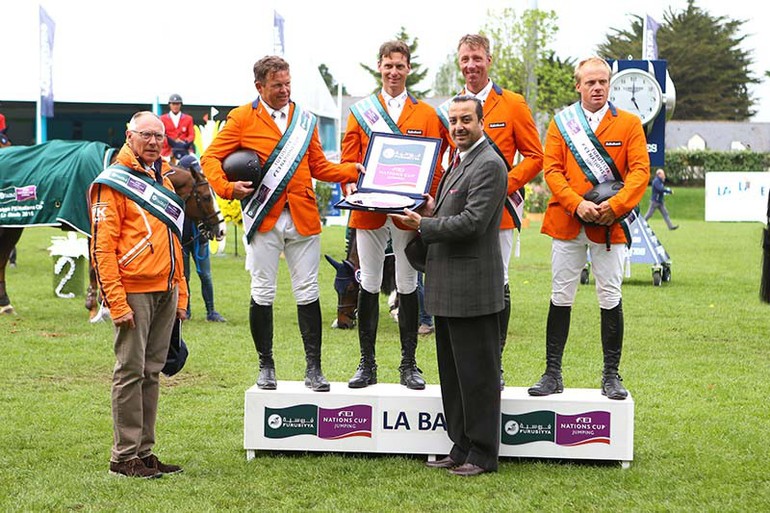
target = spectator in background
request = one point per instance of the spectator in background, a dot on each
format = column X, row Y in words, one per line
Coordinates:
column 180, row 131
column 197, row 246
column 426, row 320
column 659, row 191
column 4, row 141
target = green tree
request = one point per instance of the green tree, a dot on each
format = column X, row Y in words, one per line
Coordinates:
column 415, row 76
column 705, row 60
column 331, row 84
column 517, row 42
column 449, row 79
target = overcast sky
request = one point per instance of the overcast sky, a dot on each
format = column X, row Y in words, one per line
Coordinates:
column 211, row 46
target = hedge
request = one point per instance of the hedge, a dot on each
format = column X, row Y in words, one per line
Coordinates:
column 689, row 167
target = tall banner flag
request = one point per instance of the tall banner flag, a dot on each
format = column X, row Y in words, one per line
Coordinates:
column 47, row 28
column 649, row 39
column 278, row 41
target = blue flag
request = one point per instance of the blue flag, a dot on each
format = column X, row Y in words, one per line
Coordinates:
column 47, row 28
column 278, row 41
column 649, row 39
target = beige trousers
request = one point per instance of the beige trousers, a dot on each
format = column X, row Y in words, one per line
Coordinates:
column 140, row 356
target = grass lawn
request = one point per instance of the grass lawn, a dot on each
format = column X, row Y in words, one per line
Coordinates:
column 695, row 358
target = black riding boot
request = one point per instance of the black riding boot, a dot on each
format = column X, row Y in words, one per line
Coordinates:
column 309, row 317
column 612, row 345
column 557, row 331
column 408, row 322
column 261, row 324
column 503, row 318
column 368, row 318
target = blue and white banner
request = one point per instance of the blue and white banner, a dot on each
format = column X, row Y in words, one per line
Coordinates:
column 47, row 28
column 649, row 38
column 278, row 40
column 737, row 196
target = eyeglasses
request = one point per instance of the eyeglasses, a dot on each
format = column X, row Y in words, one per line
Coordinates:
column 147, row 135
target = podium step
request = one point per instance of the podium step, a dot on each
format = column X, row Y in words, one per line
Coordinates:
column 579, row 423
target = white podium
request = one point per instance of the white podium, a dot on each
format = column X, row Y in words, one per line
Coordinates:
column 579, row 423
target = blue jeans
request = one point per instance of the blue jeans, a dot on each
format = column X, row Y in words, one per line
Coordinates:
column 200, row 253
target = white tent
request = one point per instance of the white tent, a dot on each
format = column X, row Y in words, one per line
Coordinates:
column 142, row 51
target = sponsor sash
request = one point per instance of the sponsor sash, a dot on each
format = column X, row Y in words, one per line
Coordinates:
column 589, row 153
column 280, row 167
column 162, row 203
column 514, row 203
column 372, row 116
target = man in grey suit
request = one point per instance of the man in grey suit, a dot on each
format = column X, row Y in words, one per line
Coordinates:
column 464, row 289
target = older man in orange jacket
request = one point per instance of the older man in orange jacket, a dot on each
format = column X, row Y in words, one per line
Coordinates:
column 137, row 256
column 588, row 143
column 280, row 212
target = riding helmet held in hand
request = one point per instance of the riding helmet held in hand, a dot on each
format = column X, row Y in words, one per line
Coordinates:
column 243, row 166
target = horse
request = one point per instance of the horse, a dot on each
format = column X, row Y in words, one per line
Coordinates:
column 190, row 184
column 347, row 283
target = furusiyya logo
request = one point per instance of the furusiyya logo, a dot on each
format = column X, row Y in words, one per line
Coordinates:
column 274, row 421
column 292, row 421
column 512, row 427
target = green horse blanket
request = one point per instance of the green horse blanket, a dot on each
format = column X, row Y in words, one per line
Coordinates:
column 47, row 184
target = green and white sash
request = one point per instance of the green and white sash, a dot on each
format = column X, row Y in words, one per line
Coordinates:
column 280, row 168
column 514, row 203
column 372, row 116
column 589, row 153
column 443, row 112
column 162, row 203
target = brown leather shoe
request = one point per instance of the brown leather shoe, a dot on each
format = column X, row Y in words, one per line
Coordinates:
column 133, row 468
column 153, row 462
column 446, row 462
column 467, row 470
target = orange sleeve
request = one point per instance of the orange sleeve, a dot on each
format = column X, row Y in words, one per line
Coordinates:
column 184, row 293
column 227, row 141
column 324, row 170
column 527, row 141
column 637, row 173
column 107, row 210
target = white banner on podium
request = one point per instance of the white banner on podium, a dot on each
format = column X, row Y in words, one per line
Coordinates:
column 737, row 196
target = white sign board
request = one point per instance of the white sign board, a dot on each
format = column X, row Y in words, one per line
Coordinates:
column 737, row 196
column 579, row 423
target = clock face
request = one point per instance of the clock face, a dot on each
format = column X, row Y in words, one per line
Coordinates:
column 637, row 91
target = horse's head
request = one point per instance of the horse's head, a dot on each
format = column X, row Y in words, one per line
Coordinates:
column 200, row 204
column 346, row 285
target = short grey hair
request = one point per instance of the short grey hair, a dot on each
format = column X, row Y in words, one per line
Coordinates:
column 139, row 115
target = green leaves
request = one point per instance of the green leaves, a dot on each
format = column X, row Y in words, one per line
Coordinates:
column 705, row 61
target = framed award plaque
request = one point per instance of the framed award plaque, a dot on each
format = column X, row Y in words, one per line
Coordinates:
column 399, row 170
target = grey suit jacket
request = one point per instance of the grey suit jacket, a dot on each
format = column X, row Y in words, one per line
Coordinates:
column 464, row 268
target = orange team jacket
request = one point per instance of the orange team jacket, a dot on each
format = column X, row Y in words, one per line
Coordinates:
column 509, row 123
column 417, row 119
column 622, row 136
column 251, row 127
column 132, row 251
column 185, row 131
